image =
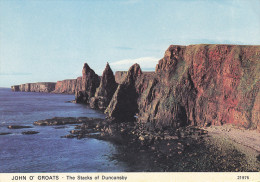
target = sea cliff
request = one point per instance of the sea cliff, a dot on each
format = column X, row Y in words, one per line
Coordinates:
column 35, row 87
column 199, row 85
column 66, row 86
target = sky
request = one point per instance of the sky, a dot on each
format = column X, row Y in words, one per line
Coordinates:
column 50, row 40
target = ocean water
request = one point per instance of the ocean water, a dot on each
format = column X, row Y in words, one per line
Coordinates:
column 47, row 151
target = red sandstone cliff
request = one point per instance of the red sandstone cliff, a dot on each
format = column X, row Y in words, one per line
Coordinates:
column 198, row 85
column 66, row 86
column 34, row 87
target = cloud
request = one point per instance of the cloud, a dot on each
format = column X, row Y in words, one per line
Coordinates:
column 146, row 63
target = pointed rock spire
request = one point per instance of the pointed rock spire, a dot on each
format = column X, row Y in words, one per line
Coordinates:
column 88, row 85
column 124, row 102
column 106, row 89
column 133, row 72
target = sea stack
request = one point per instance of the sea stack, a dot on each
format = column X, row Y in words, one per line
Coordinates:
column 124, row 102
column 105, row 91
column 87, row 85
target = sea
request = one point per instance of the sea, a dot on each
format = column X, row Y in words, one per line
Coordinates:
column 47, row 151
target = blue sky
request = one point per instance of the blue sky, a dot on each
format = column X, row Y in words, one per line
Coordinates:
column 50, row 40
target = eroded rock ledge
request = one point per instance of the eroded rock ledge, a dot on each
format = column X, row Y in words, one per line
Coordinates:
column 65, row 120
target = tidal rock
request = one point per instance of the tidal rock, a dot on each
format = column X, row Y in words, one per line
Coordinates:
column 29, row 132
column 67, row 120
column 69, row 136
column 5, row 133
column 18, row 127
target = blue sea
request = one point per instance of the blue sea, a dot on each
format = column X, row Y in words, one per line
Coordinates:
column 47, row 151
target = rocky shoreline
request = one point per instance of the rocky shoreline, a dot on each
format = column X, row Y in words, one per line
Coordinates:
column 143, row 149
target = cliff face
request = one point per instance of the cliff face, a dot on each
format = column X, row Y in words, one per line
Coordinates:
column 105, row 91
column 120, row 76
column 34, row 87
column 42, row 87
column 15, row 88
column 86, row 85
column 206, row 84
column 66, row 86
column 198, row 85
